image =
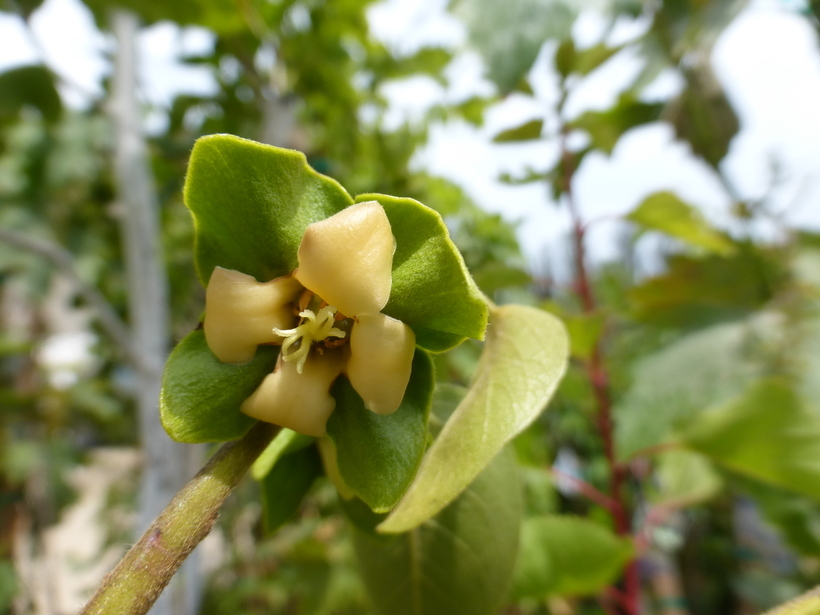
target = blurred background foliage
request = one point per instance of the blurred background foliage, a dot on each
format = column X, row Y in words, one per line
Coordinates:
column 692, row 394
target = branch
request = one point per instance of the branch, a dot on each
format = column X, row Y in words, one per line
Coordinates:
column 137, row 581
column 587, row 490
column 64, row 262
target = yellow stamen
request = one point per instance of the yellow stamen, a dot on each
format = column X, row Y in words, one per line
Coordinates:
column 313, row 328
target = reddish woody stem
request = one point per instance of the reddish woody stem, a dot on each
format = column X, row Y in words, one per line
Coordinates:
column 599, row 380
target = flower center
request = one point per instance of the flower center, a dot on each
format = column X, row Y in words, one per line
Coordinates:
column 314, row 327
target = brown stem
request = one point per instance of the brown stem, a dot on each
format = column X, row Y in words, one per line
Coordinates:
column 137, row 581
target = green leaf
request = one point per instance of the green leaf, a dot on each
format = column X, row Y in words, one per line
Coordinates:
column 252, row 203
column 606, row 127
column 510, row 34
column 565, row 57
column 284, row 487
column 523, row 361
column 693, row 292
column 665, row 212
column 29, row 86
column 378, row 455
column 584, row 333
column 672, row 386
column 201, row 396
column 286, row 441
column 587, row 60
column 768, row 434
column 432, row 290
column 685, row 478
column 562, row 555
column 459, row 562
column 703, row 116
column 525, row 132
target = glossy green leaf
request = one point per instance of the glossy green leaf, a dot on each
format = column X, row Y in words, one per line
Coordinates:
column 665, row 212
column 378, row 455
column 525, row 132
column 432, row 290
column 201, row 396
column 562, row 555
column 252, row 203
column 565, row 57
column 460, row 562
column 768, row 434
column 286, row 441
column 523, row 361
column 284, row 487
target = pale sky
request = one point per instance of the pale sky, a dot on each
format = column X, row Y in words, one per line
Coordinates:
column 767, row 60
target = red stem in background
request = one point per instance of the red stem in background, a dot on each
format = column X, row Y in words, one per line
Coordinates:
column 599, row 379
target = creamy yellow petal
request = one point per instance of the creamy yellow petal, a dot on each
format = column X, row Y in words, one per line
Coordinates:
column 347, row 259
column 301, row 402
column 381, row 356
column 241, row 313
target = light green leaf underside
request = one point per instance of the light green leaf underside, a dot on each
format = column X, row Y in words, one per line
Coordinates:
column 284, row 487
column 286, row 441
column 768, row 434
column 252, row 203
column 201, row 396
column 524, row 360
column 665, row 212
column 432, row 290
column 378, row 455
column 562, row 555
column 460, row 562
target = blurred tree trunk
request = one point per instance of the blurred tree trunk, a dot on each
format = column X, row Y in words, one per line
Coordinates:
column 166, row 463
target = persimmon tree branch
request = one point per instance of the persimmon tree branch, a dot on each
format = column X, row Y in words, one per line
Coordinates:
column 63, row 260
column 137, row 581
column 599, row 380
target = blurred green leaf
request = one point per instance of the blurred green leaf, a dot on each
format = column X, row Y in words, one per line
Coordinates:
column 378, row 455
column 523, row 361
column 562, row 555
column 524, row 132
column 286, row 484
column 673, row 385
column 510, row 34
column 584, row 333
column 201, row 395
column 768, row 434
column 685, row 478
column 29, row 86
column 461, row 561
column 8, row 586
column 702, row 115
column 696, row 292
column 665, row 212
column 605, row 128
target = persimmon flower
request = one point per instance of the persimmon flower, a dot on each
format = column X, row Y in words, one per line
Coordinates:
column 327, row 317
